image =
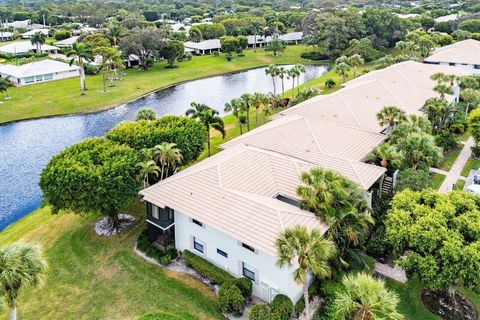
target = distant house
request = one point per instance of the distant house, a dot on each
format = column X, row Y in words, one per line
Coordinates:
column 67, row 43
column 22, row 47
column 40, row 71
column 407, row 16
column 22, row 24
column 6, row 36
column 292, row 37
column 203, row 47
column 29, row 34
column 465, row 54
column 261, row 41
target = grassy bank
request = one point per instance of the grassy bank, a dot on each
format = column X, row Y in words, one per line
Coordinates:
column 92, row 277
column 63, row 96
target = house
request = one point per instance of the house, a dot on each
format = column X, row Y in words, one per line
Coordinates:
column 203, row 47
column 261, row 41
column 231, row 212
column 22, row 47
column 465, row 54
column 39, row 71
column 67, row 43
column 22, row 24
column 29, row 34
column 291, row 38
column 6, row 36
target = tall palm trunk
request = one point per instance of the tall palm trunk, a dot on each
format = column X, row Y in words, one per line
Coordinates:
column 208, row 139
column 256, row 116
column 305, row 296
column 283, row 87
column 13, row 313
column 248, row 118
column 240, row 125
column 354, row 71
column 82, row 79
column 274, row 88
column 104, row 81
column 293, row 87
column 255, row 39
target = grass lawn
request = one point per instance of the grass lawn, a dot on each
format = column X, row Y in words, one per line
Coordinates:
column 471, row 164
column 465, row 136
column 63, row 96
column 449, row 159
column 92, row 277
column 460, row 184
column 437, row 180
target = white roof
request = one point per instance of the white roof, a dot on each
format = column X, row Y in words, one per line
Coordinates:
column 33, row 31
column 18, row 24
column 204, row 45
column 36, row 68
column 67, row 42
column 466, row 51
column 407, row 16
column 292, row 36
column 260, row 39
column 23, row 46
column 447, row 18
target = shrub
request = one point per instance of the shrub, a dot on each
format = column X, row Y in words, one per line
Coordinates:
column 378, row 246
column 62, row 34
column 145, row 114
column 206, row 269
column 328, row 291
column 91, row 70
column 413, row 179
column 259, row 312
column 314, row 55
column 144, row 245
column 230, row 298
column 245, row 285
column 281, row 308
column 447, row 141
column 189, row 135
column 457, row 128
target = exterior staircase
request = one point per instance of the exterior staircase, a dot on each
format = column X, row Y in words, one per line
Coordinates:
column 387, row 186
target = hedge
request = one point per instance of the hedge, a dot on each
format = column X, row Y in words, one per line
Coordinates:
column 281, row 308
column 206, row 269
column 245, row 285
column 144, row 245
column 259, row 311
column 189, row 135
column 230, row 298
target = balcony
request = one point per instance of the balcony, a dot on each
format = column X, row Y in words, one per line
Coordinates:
column 162, row 218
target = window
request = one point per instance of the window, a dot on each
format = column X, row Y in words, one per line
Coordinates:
column 248, row 271
column 246, row 246
column 29, row 79
column 222, row 253
column 198, row 245
column 452, row 64
column 197, row 222
column 287, row 199
column 48, row 76
column 477, row 66
column 38, row 78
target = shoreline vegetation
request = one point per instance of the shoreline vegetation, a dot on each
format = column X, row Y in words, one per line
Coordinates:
column 63, row 98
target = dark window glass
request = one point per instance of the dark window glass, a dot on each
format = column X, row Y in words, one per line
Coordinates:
column 222, row 253
column 289, row 200
column 246, row 246
column 247, row 272
column 197, row 245
column 197, row 222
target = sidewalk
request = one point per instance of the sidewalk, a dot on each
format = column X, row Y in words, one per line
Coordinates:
column 454, row 174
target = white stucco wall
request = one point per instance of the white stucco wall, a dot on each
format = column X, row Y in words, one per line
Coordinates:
column 270, row 279
column 470, row 67
column 56, row 76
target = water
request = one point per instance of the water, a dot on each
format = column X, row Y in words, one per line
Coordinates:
column 27, row 146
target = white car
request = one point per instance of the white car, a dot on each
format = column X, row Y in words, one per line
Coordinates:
column 474, row 188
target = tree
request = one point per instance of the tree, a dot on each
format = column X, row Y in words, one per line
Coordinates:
column 172, row 51
column 148, row 168
column 413, row 179
column 272, row 70
column 391, row 115
column 235, row 106
column 275, row 45
column 341, row 204
column 281, row 74
column 246, row 98
column 38, row 40
column 420, row 149
column 342, row 69
column 209, row 118
column 473, row 121
column 111, row 60
column 443, row 89
column 242, row 44
column 4, row 85
column 21, row 265
column 255, row 28
column 471, row 97
column 81, row 53
column 168, row 156
column 195, row 34
column 229, row 45
column 293, row 73
column 145, row 114
column 144, row 43
column 300, row 69
column 329, row 83
column 438, row 237
column 115, row 32
column 364, row 298
column 95, row 175
column 355, row 61
column 309, row 252
column 388, row 155
column 440, row 113
column 257, row 99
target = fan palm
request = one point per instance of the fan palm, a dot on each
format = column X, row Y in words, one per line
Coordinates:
column 471, row 97
column 439, row 112
column 299, row 69
column 168, row 155
column 257, row 99
column 38, row 40
column 443, row 89
column 21, row 265
column 391, row 115
column 342, row 69
column 115, row 32
column 355, row 61
column 209, row 118
column 272, row 71
column 388, row 155
column 309, row 252
column 420, row 148
column 281, row 74
column 235, row 106
column 255, row 28
column 292, row 74
column 81, row 53
column 247, row 103
column 365, row 298
column 146, row 169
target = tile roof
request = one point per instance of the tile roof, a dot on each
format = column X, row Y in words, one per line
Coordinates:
column 466, row 51
column 36, row 68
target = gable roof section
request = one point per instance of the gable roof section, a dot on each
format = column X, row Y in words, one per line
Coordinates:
column 24, row 46
column 466, row 52
column 37, row 68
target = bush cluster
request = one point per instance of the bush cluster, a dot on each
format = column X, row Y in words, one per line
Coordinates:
column 144, row 245
column 377, row 245
column 447, row 141
column 206, row 269
column 280, row 308
column 314, row 55
column 230, row 298
column 328, row 291
column 189, row 135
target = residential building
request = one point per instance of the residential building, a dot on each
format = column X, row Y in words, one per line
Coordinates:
column 291, row 38
column 29, row 34
column 22, row 47
column 6, row 36
column 67, row 43
column 465, row 54
column 203, row 47
column 39, row 71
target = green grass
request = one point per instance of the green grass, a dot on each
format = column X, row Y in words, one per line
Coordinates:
column 63, row 96
column 460, row 184
column 465, row 136
column 437, row 180
column 471, row 164
column 449, row 159
column 92, row 277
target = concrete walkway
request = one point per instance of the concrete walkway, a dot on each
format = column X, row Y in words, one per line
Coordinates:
column 454, row 174
column 395, row 273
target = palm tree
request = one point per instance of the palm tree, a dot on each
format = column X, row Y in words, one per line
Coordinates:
column 21, row 265
column 146, row 114
column 81, row 53
column 146, row 169
column 292, row 73
column 247, row 101
column 209, row 118
column 257, row 99
column 255, row 28
column 439, row 112
column 443, row 89
column 300, row 69
column 235, row 106
column 420, row 148
column 115, row 32
column 341, row 204
column 342, row 69
column 4, row 85
column 309, row 252
column 272, row 71
column 167, row 154
column 365, row 298
column 388, row 155
column 401, row 45
column 38, row 40
column 281, row 74
column 469, row 96
column 355, row 61
column 391, row 115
